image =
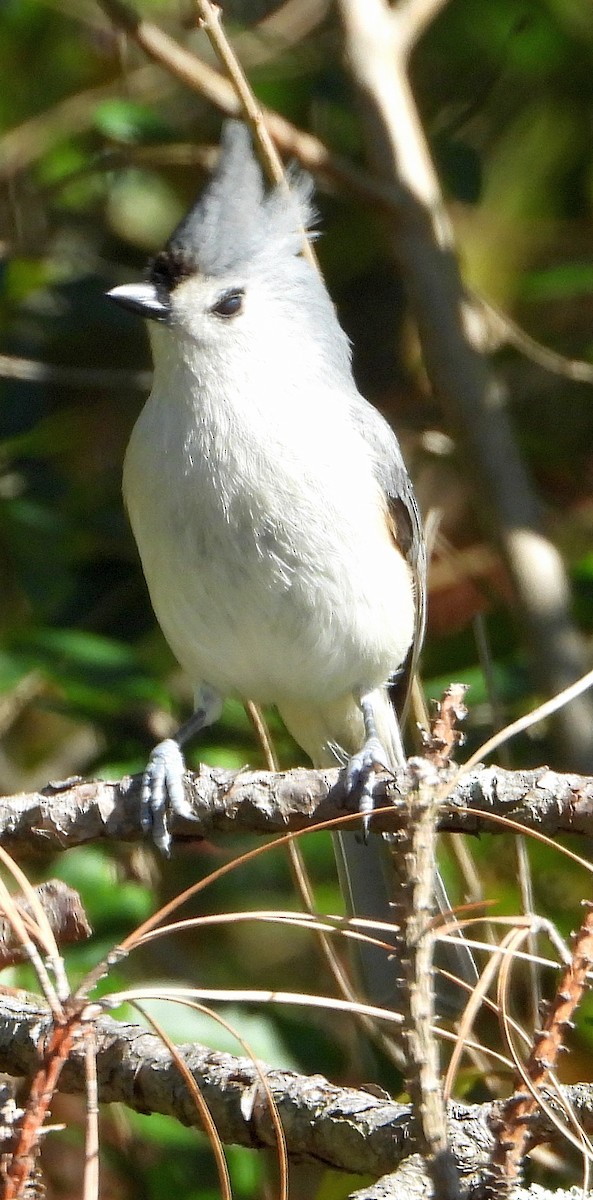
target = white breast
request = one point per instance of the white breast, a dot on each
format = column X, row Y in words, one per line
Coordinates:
column 264, row 544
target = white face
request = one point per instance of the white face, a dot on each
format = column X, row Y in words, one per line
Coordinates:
column 218, row 313
column 204, row 308
column 275, row 324
column 236, row 328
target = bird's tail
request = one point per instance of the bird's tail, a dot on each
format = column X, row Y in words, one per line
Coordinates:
column 332, row 733
column 366, row 870
column 365, row 873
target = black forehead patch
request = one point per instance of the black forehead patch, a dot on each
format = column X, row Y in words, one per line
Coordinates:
column 169, row 268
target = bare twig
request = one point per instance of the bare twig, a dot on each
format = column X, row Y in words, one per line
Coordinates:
column 498, row 329
column 210, row 20
column 416, row 957
column 12, row 367
column 559, row 700
column 251, row 108
column 513, row 1129
column 90, row 1190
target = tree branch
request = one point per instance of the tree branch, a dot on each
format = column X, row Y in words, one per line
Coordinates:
column 31, row 371
column 222, row 801
column 345, row 1128
column 342, row 1127
column 422, row 241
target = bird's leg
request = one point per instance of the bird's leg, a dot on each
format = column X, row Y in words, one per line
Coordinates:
column 373, row 757
column 162, row 782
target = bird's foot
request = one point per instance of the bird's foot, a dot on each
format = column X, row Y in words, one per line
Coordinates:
column 162, row 782
column 361, row 777
column 163, row 792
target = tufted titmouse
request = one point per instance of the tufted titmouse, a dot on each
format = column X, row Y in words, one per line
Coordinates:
column 275, row 519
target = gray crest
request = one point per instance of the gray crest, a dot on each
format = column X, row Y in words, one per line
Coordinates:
column 235, row 222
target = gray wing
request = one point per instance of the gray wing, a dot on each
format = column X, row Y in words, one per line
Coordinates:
column 392, row 475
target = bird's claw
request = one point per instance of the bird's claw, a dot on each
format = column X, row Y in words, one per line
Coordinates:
column 162, row 791
column 361, row 776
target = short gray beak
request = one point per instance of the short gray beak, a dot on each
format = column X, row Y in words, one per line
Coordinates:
column 141, row 298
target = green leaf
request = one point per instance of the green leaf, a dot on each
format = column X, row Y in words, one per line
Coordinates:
column 111, row 904
column 124, row 120
column 568, row 279
column 183, row 1024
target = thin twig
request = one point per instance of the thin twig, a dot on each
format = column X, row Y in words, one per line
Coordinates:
column 13, row 367
column 90, row 1188
column 42, row 1091
column 513, row 1131
column 210, row 20
column 531, row 718
column 210, row 16
column 500, row 330
column 416, row 942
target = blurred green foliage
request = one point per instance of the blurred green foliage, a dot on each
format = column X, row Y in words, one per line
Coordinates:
column 97, row 162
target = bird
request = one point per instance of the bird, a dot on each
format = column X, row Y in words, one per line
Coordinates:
column 276, row 521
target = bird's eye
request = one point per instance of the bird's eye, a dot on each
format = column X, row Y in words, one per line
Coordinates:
column 229, row 304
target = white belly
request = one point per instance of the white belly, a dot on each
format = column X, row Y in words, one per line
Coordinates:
column 272, row 574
